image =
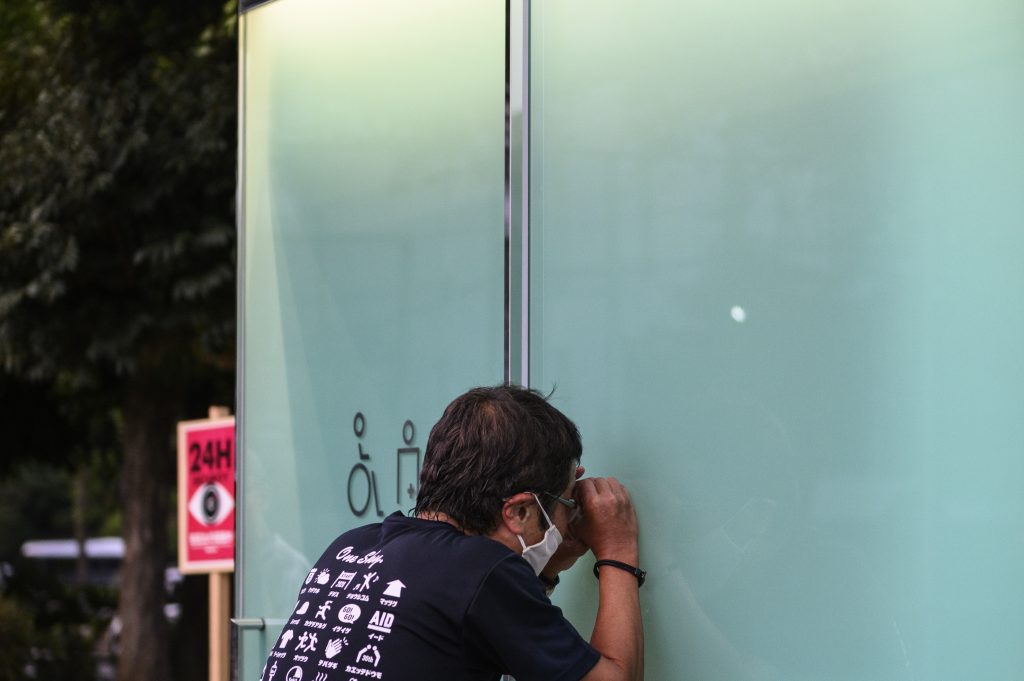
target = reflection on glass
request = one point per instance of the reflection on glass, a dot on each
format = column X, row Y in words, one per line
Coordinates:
column 373, row 241
column 831, row 493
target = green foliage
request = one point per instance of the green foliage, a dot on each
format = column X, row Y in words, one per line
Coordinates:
column 116, row 220
column 50, row 630
column 117, row 179
column 31, row 425
column 35, row 503
column 17, row 635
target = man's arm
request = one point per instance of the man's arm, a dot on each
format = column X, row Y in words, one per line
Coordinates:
column 609, row 527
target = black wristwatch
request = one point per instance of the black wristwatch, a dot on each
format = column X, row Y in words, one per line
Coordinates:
column 640, row 575
column 549, row 583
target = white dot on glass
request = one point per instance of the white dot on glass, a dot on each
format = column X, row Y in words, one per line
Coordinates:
column 738, row 313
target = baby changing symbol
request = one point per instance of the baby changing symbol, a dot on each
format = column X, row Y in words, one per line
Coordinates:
column 408, row 465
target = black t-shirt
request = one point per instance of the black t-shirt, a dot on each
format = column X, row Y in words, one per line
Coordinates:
column 414, row 600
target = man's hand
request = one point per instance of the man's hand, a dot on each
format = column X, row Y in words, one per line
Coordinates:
column 570, row 550
column 608, row 525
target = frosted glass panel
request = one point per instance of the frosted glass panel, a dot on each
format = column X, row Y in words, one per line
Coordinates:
column 778, row 281
column 373, row 244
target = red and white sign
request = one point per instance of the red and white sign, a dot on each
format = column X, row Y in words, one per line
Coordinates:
column 206, row 495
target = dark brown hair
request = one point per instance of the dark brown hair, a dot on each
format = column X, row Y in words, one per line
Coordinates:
column 492, row 443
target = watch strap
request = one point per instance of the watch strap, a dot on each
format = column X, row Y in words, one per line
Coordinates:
column 641, row 575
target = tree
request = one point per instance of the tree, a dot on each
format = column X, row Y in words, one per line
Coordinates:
column 117, row 241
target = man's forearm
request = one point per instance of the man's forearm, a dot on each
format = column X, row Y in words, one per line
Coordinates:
column 610, row 528
column 618, row 631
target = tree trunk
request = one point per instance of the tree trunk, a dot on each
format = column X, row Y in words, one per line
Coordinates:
column 191, row 640
column 147, row 476
column 78, row 513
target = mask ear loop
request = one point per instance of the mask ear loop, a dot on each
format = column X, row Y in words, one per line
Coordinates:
column 547, row 518
column 544, row 513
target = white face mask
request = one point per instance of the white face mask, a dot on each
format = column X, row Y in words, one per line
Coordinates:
column 538, row 555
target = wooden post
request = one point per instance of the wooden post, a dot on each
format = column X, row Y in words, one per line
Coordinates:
column 220, row 604
column 220, row 623
column 218, row 412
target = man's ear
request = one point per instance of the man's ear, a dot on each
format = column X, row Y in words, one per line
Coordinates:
column 517, row 513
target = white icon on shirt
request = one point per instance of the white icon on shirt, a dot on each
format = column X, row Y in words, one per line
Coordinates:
column 350, row 613
column 294, row 674
column 369, row 655
column 368, row 579
column 323, row 577
column 321, row 612
column 306, row 642
column 381, row 621
column 273, row 670
column 394, row 589
column 334, row 647
column 303, row 609
column 285, row 637
column 343, row 580
column 309, row 577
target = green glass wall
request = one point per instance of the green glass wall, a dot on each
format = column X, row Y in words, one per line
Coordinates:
column 778, row 281
column 373, row 241
column 774, row 269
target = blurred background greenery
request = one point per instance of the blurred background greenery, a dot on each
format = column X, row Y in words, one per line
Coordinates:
column 117, row 319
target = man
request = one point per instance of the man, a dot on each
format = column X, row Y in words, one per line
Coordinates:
column 458, row 591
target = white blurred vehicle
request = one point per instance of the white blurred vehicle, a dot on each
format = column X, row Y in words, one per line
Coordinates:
column 104, row 556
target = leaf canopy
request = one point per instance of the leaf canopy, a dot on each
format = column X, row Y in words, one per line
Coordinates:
column 117, row 150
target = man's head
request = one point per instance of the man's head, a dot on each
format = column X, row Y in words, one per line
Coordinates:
column 490, row 444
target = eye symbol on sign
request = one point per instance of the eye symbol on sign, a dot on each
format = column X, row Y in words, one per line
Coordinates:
column 211, row 503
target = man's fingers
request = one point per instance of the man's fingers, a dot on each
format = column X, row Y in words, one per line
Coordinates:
column 608, row 525
column 602, row 495
column 618, row 489
column 584, row 488
column 601, row 485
